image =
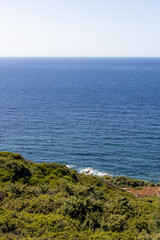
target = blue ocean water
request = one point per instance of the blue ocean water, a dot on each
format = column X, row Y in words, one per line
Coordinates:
column 102, row 113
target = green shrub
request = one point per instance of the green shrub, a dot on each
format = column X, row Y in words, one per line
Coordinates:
column 49, row 201
column 18, row 171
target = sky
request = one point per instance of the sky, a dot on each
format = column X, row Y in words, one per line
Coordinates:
column 80, row 28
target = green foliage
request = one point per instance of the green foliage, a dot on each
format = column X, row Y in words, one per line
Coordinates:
column 14, row 167
column 49, row 201
column 128, row 182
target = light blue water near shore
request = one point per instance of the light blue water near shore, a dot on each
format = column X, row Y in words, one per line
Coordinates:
column 102, row 113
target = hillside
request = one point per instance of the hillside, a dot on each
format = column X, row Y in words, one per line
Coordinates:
column 49, row 201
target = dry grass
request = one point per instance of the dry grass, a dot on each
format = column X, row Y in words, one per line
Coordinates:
column 144, row 192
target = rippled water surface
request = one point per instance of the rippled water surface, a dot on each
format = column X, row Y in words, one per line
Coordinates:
column 97, row 113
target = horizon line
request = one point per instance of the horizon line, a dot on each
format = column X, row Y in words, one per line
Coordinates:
column 79, row 56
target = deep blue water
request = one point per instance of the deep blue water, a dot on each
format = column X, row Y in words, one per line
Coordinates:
column 102, row 113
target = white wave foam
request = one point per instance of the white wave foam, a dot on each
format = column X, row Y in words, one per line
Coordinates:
column 91, row 171
column 70, row 166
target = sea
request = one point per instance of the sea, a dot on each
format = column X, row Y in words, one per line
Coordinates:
column 99, row 115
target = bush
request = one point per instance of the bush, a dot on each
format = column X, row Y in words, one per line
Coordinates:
column 18, row 171
column 50, row 201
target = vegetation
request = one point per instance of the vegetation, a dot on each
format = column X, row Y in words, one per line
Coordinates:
column 49, row 201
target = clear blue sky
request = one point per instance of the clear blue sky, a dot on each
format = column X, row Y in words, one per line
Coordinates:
column 102, row 28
